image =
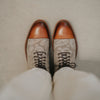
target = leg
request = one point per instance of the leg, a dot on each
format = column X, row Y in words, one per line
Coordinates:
column 34, row 84
column 70, row 84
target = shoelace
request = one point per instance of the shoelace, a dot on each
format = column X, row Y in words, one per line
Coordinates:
column 40, row 59
column 64, row 60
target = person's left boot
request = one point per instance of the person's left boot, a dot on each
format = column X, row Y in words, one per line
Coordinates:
column 37, row 46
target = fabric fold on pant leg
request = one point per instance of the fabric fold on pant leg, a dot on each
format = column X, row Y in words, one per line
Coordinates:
column 35, row 84
column 70, row 84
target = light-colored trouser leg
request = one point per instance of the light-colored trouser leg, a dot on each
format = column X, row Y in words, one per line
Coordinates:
column 34, row 84
column 70, row 84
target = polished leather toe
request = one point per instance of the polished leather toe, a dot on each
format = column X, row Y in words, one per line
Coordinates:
column 39, row 30
column 63, row 30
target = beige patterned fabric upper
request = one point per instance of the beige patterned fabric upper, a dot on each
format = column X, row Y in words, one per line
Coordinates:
column 63, row 46
column 38, row 45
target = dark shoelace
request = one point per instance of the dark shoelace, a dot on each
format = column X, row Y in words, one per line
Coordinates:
column 64, row 60
column 40, row 59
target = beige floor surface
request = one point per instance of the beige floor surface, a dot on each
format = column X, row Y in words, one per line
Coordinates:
column 17, row 16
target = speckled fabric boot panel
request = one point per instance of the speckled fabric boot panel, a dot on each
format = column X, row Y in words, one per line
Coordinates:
column 37, row 45
column 64, row 45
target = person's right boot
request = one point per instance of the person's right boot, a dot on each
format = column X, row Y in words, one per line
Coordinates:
column 64, row 45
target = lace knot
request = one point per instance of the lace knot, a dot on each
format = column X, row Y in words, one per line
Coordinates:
column 40, row 59
column 64, row 60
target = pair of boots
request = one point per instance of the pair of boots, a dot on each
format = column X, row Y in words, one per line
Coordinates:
column 37, row 84
column 38, row 45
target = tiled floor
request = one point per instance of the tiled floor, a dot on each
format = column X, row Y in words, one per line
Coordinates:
column 17, row 16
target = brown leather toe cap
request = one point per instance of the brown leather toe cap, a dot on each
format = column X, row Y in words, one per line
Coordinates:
column 39, row 30
column 63, row 30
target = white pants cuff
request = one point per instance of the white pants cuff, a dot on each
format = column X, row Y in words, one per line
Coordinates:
column 70, row 84
column 34, row 84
